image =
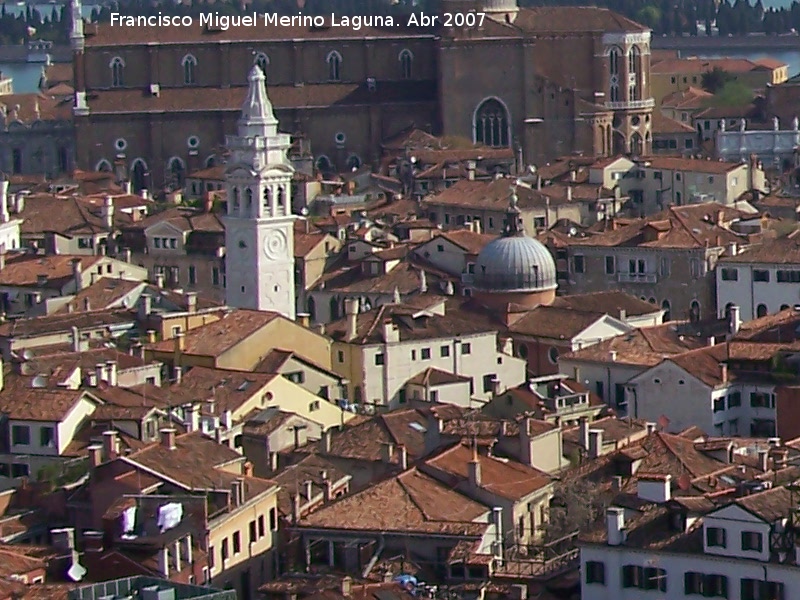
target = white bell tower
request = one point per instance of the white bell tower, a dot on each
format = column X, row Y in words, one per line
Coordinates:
column 259, row 225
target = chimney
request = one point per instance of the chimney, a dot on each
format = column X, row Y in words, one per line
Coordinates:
column 2, row 257
column 735, row 317
column 654, row 488
column 63, row 540
column 191, row 301
column 295, row 508
column 4, row 201
column 325, row 442
column 145, row 307
column 273, row 461
column 763, row 460
column 160, row 280
column 733, row 249
column 347, row 586
column 309, row 485
column 126, row 255
column 93, row 541
column 227, row 419
column 163, row 561
column 304, row 319
column 237, row 492
column 76, row 274
column 615, row 525
column 475, row 468
column 180, row 342
column 616, row 483
column 248, row 469
column 351, row 310
column 192, row 416
column 19, row 203
column 403, row 457
column 108, row 212
column 87, row 305
column 623, row 314
column 723, row 372
column 95, row 455
column 168, row 438
column 612, row 355
column 584, row 433
column 151, row 336
column 113, row 373
column 100, row 373
column 471, row 166
column 651, row 428
column 110, row 444
column 388, row 452
column 595, row 443
column 569, row 193
column 145, row 194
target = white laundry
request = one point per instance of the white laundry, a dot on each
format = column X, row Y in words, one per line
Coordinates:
column 129, row 519
column 169, row 516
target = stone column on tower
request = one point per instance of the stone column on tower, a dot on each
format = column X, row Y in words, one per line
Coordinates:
column 77, row 43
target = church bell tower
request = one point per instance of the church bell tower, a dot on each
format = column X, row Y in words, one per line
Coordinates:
column 259, row 225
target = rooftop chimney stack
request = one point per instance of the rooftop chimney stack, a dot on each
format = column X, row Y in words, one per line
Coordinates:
column 723, row 372
column 388, row 452
column 471, row 166
column 110, row 444
column 95, row 455
column 193, row 416
column 475, row 468
column 108, row 212
column 595, row 443
column 76, row 274
column 325, row 442
column 145, row 306
column 4, row 201
column 763, row 460
column 113, row 373
column 615, row 524
column 403, row 457
column 584, row 433
column 351, row 310
column 191, row 302
column 735, row 316
column 168, row 438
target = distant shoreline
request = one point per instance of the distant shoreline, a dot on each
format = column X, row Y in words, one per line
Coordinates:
column 719, row 44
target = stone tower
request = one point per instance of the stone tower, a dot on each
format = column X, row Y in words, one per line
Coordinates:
column 259, row 225
column 78, row 44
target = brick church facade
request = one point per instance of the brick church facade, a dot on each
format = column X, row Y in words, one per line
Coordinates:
column 547, row 81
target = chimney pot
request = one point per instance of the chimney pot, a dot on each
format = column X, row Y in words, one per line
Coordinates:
column 168, row 438
column 595, row 443
column 615, row 523
column 110, row 444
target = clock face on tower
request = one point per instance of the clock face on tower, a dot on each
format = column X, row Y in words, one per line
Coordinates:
column 275, row 245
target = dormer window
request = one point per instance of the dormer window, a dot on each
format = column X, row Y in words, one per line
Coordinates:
column 752, row 541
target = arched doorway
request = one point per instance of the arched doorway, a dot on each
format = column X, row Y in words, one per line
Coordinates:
column 490, row 124
column 761, row 311
column 694, row 311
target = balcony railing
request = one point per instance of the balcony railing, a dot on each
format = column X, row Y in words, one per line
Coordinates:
column 631, row 104
column 637, row 277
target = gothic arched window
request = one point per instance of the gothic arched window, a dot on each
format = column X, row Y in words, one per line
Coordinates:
column 281, row 197
column 248, row 200
column 117, row 66
column 189, row 63
column 177, row 171
column 613, row 70
column 634, row 68
column 139, row 175
column 268, row 198
column 491, row 124
column 236, row 202
column 334, row 61
column 406, row 60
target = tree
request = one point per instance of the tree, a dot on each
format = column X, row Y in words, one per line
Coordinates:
column 649, row 15
column 733, row 93
column 715, row 79
column 576, row 505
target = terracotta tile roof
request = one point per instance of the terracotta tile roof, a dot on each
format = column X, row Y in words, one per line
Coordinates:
column 216, row 338
column 744, row 111
column 771, row 505
column 175, row 100
column 58, row 323
column 23, row 403
column 410, row 502
column 646, row 346
column 17, row 563
column 49, row 364
column 502, row 477
column 216, row 173
column 610, row 303
column 184, row 219
column 703, row 363
column 91, row 432
column 469, row 241
column 34, row 107
column 193, row 462
column 574, row 19
column 554, row 322
column 138, row 396
column 314, row 468
column 58, row 73
column 678, row 227
column 266, row 422
column 458, row 319
column 696, row 165
column 688, row 99
column 490, row 195
column 665, row 125
column 405, row 277
column 434, row 376
column 695, row 65
column 614, row 430
column 103, row 294
column 24, row 270
column 776, row 327
column 306, row 242
column 229, row 389
column 782, row 251
column 66, row 215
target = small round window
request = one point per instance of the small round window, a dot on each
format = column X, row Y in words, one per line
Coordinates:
column 656, row 381
column 193, row 141
column 552, row 354
column 340, row 138
column 120, row 144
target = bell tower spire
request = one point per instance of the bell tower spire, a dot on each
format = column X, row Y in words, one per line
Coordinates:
column 259, row 224
column 77, row 43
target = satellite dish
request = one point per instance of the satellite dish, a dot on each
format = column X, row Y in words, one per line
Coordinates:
column 76, row 572
column 40, row 381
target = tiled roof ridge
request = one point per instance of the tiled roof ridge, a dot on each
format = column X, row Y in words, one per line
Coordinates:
column 681, row 220
column 668, row 440
column 378, row 319
column 399, row 478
